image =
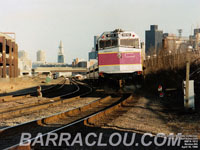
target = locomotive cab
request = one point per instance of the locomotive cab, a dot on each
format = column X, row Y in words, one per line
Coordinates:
column 120, row 60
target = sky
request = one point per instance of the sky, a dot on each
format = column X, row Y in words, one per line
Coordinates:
column 41, row 24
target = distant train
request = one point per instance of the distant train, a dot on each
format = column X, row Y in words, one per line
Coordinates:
column 120, row 61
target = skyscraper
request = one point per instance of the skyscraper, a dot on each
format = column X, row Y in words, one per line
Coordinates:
column 22, row 54
column 153, row 39
column 41, row 56
column 61, row 57
column 24, row 63
column 93, row 54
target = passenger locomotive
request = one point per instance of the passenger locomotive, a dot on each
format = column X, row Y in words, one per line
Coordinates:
column 120, row 61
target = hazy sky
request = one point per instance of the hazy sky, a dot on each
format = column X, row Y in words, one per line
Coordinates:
column 41, row 24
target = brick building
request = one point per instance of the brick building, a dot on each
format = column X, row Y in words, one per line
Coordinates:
column 8, row 57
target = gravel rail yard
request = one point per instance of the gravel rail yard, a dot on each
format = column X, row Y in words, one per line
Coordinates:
column 48, row 124
column 46, row 112
column 147, row 114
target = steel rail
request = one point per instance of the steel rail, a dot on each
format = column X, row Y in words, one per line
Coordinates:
column 100, row 108
column 27, row 108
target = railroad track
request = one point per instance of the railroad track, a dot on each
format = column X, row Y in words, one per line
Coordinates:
column 88, row 114
column 79, row 90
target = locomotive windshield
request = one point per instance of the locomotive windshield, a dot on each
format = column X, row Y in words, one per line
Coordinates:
column 118, row 38
column 108, row 43
column 130, row 42
column 123, row 42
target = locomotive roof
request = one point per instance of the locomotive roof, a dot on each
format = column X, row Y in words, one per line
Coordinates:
column 118, row 31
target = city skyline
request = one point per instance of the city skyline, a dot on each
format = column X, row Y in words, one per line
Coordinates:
column 41, row 24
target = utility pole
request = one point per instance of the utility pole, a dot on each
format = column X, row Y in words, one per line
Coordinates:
column 187, row 76
column 187, row 82
column 197, row 41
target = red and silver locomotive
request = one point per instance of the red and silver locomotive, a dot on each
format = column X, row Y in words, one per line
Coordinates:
column 120, row 60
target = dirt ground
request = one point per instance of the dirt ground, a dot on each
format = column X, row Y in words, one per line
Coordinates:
column 9, row 85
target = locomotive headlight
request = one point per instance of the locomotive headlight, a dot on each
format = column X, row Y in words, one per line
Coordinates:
column 119, row 55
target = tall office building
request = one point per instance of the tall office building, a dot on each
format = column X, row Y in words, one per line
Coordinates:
column 61, row 57
column 92, row 55
column 41, row 56
column 95, row 41
column 153, row 39
column 24, row 63
column 22, row 54
column 195, row 39
column 196, row 31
